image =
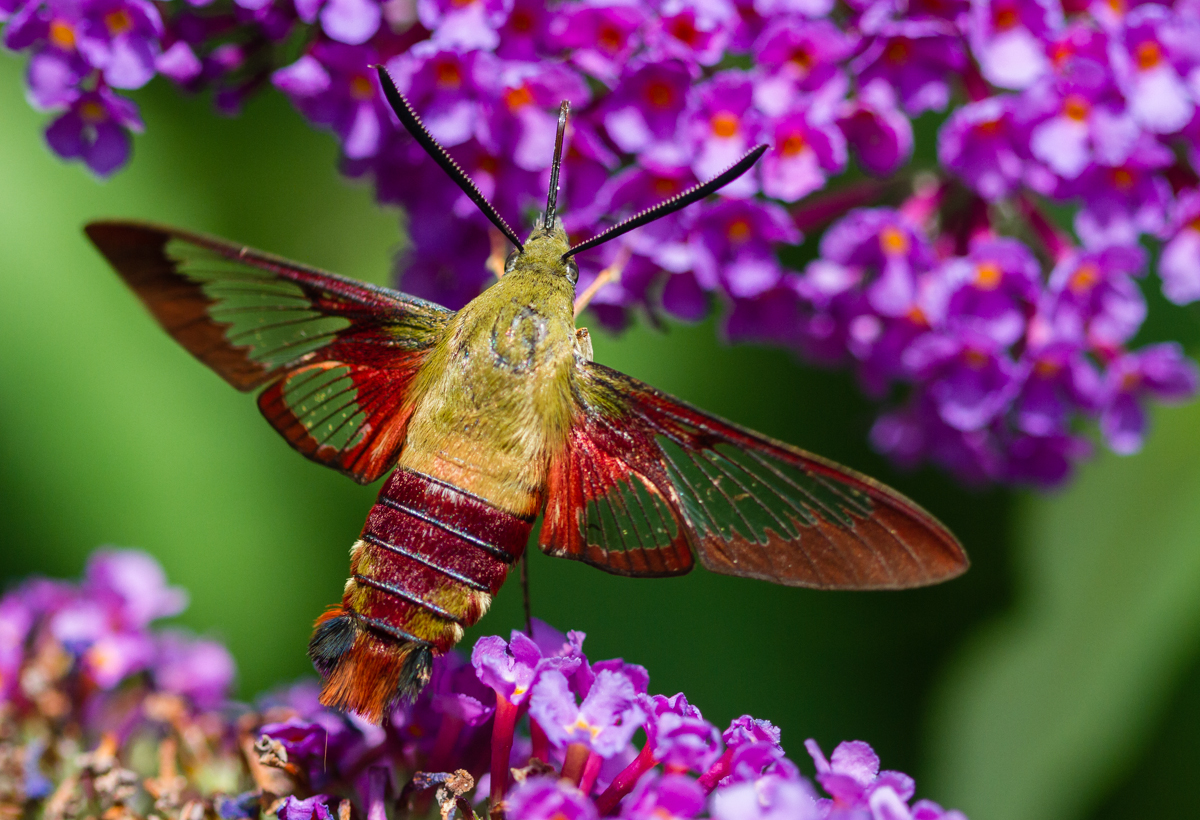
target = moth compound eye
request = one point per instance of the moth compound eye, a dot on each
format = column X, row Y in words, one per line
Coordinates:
column 511, row 261
column 572, row 270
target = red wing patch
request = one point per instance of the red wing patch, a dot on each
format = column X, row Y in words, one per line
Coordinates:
column 606, row 504
column 338, row 355
column 748, row 505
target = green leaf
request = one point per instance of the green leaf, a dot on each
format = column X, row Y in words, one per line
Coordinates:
column 1047, row 706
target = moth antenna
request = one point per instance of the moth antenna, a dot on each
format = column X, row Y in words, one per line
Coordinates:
column 412, row 123
column 556, row 166
column 675, row 203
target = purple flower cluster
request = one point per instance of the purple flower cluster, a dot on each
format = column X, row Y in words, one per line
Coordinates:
column 994, row 337
column 546, row 734
column 529, row 723
column 94, row 638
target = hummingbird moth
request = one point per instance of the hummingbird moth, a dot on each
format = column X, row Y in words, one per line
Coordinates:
column 491, row 416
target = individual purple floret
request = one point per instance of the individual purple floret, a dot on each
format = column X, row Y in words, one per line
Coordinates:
column 135, row 584
column 983, row 143
column 805, row 153
column 1151, row 58
column 770, row 798
column 511, row 669
column 664, row 797
column 1007, row 38
column 876, row 129
column 96, row 129
column 678, row 735
column 1161, row 371
column 545, row 798
column 853, row 779
column 312, row 808
column 604, row 722
column 916, row 57
column 1179, row 265
column 644, row 111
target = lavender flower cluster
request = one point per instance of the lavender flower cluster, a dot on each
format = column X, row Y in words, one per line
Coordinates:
column 88, row 693
column 994, row 336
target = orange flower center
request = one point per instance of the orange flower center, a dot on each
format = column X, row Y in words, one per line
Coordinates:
column 1076, row 107
column 683, row 29
column 975, row 359
column 62, row 35
column 1059, row 53
column 1130, row 380
column 665, row 186
column 1046, row 368
column 801, row 59
column 521, row 21
column 898, row 51
column 610, row 39
column 738, row 231
column 448, row 75
column 118, row 22
column 1122, row 178
column 1005, row 18
column 93, row 112
column 361, row 88
column 1084, row 277
column 988, row 275
column 989, row 128
column 517, row 98
column 488, row 164
column 659, row 94
column 1147, row 55
column 917, row 316
column 793, row 144
column 724, row 124
column 893, row 241
column 1195, row 224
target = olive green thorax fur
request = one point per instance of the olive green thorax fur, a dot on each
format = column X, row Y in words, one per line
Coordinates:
column 493, row 402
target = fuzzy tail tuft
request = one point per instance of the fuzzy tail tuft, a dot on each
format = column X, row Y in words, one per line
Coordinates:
column 365, row 672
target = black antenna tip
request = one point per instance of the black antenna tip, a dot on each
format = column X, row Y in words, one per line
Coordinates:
column 412, row 123
column 552, row 196
column 675, row 203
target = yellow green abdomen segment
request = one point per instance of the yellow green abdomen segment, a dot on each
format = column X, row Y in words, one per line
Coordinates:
column 426, row 565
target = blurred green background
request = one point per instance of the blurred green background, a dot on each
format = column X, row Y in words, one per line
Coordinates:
column 1059, row 678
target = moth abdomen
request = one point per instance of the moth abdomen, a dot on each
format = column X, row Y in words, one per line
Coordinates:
column 426, row 566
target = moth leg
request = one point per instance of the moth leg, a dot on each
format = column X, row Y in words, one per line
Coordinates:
column 495, row 260
column 583, row 344
column 610, row 274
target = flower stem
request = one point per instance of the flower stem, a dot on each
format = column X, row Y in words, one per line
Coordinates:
column 541, row 743
column 576, row 761
column 377, row 781
column 591, row 770
column 502, row 739
column 443, row 745
column 717, row 772
column 624, row 782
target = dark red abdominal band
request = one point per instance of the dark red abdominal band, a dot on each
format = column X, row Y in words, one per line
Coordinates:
column 426, row 537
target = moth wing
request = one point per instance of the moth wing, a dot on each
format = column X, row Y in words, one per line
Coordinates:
column 748, row 505
column 337, row 355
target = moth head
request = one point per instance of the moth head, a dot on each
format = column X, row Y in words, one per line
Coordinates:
column 544, row 250
column 547, row 246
